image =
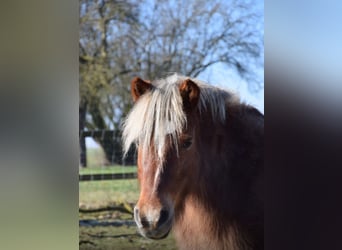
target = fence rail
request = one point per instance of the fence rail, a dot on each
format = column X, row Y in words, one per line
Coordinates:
column 97, row 133
column 103, row 177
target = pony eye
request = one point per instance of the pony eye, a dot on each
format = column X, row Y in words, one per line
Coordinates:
column 187, row 143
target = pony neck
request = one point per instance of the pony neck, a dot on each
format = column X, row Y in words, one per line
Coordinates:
column 197, row 229
column 224, row 198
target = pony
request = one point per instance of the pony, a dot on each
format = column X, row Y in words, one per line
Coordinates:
column 200, row 164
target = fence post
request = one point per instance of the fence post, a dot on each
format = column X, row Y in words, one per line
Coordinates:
column 83, row 150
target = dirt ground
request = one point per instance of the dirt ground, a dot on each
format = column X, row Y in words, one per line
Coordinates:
column 114, row 230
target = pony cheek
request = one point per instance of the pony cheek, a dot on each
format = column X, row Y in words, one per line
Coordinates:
column 171, row 182
column 181, row 180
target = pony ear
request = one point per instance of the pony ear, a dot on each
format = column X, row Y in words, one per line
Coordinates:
column 139, row 87
column 190, row 94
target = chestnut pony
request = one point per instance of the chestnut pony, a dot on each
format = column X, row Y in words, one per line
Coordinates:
column 200, row 164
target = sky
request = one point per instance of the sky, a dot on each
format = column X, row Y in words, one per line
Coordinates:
column 220, row 76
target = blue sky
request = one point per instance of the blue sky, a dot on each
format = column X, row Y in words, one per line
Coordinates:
column 220, row 76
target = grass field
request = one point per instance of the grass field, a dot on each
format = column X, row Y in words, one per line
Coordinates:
column 95, row 157
column 97, row 194
column 102, row 193
column 108, row 169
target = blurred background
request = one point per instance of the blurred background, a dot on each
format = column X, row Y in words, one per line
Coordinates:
column 218, row 41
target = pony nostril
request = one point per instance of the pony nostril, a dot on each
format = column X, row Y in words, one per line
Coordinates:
column 144, row 222
column 141, row 221
column 164, row 216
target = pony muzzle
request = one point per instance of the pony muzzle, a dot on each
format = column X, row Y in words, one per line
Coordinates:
column 153, row 223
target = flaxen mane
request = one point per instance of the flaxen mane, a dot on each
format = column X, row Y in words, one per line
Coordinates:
column 160, row 112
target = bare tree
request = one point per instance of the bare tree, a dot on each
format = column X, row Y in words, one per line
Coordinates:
column 99, row 95
column 122, row 39
column 190, row 36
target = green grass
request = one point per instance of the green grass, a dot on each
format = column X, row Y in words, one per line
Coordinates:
column 108, row 169
column 93, row 194
column 103, row 193
column 95, row 157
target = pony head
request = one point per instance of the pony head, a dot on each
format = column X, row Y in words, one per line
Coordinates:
column 200, row 164
column 164, row 125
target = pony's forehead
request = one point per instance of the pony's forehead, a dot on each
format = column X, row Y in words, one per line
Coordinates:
column 155, row 115
column 169, row 127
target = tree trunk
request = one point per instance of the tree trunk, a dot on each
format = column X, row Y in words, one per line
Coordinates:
column 83, row 148
column 109, row 143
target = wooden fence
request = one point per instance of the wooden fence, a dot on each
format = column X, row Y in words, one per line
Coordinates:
column 103, row 177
